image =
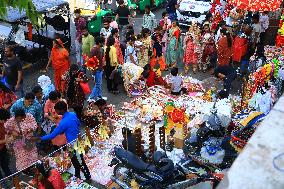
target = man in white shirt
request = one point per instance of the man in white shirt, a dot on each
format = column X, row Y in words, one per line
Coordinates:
column 264, row 23
column 106, row 30
column 149, row 19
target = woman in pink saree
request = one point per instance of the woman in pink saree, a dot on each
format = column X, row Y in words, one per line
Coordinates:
column 21, row 127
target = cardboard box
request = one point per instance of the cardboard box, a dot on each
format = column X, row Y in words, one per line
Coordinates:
column 179, row 143
column 113, row 185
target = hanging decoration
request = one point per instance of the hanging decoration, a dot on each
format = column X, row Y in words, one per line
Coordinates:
column 162, row 137
column 174, row 117
column 138, row 141
column 256, row 5
column 152, row 141
column 280, row 34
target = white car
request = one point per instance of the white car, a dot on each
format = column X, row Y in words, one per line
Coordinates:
column 192, row 10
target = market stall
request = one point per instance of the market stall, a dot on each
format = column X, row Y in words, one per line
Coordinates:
column 33, row 42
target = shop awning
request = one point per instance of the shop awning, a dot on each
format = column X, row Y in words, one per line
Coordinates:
column 257, row 5
column 41, row 5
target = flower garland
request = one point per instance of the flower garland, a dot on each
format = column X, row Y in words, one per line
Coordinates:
column 280, row 35
column 91, row 63
column 174, row 117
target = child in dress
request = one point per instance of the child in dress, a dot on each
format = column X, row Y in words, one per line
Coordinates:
column 208, row 47
column 138, row 45
column 192, row 48
column 158, row 57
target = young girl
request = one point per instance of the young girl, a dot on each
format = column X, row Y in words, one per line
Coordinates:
column 192, row 48
column 165, row 23
column 111, row 66
column 130, row 52
column 208, row 47
column 158, row 52
column 147, row 47
column 139, row 48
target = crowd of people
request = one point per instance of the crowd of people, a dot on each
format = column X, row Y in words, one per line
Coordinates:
column 28, row 120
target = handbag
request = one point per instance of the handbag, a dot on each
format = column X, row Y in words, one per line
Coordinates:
column 85, row 87
column 27, row 144
column 113, row 74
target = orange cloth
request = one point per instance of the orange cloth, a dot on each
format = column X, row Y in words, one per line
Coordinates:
column 224, row 52
column 60, row 65
column 161, row 61
column 153, row 79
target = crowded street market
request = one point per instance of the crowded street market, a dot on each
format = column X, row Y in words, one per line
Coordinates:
column 133, row 94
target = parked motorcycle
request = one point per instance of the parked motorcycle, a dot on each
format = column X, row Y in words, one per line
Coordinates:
column 159, row 174
column 198, row 174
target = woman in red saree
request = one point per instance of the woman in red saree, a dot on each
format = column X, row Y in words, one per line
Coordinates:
column 47, row 178
column 59, row 58
column 151, row 77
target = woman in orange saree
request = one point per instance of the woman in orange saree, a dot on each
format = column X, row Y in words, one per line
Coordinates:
column 59, row 58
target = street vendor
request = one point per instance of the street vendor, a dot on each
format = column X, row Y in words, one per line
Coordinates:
column 70, row 126
column 151, row 77
column 227, row 74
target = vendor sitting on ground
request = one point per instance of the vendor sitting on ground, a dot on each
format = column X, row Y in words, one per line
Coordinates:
column 48, row 178
column 176, row 83
column 151, row 77
column 227, row 74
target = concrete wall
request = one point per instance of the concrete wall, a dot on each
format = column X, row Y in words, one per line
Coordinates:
column 254, row 168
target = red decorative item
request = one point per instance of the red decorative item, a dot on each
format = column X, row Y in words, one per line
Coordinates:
column 91, row 63
column 30, row 31
column 279, row 40
column 256, row 5
column 177, row 116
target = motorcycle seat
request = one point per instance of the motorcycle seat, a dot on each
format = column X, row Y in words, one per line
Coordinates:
column 131, row 159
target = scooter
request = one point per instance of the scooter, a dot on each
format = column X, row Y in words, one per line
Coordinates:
column 198, row 174
column 158, row 174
